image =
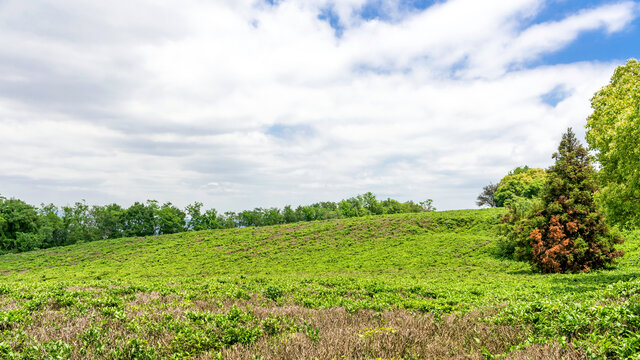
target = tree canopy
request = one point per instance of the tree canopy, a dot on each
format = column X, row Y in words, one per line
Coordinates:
column 613, row 131
column 522, row 182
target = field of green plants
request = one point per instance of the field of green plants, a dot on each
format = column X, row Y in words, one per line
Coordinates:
column 408, row 286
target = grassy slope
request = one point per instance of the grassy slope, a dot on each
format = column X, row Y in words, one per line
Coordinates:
column 450, row 252
column 431, row 262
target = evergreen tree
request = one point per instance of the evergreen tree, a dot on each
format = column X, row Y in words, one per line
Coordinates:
column 572, row 236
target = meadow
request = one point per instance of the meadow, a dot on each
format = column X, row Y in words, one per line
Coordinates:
column 408, row 286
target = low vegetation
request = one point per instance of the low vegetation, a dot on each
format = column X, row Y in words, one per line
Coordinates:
column 406, row 286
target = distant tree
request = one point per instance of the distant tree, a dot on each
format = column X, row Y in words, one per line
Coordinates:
column 486, row 196
column 411, row 207
column 197, row 220
column 229, row 220
column 521, row 182
column 170, row 219
column 272, row 216
column 24, row 227
column 427, row 205
column 353, row 207
column 78, row 223
column 107, row 221
column 289, row 215
column 51, row 227
column 326, row 210
column 391, row 206
column 573, row 235
column 211, row 219
column 613, row 131
column 253, row 217
column 18, row 226
column 305, row 213
column 322, row 213
column 371, row 204
column 140, row 219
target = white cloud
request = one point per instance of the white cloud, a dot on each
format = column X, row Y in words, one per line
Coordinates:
column 175, row 100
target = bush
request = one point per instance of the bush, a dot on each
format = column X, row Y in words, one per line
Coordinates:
column 516, row 227
column 273, row 292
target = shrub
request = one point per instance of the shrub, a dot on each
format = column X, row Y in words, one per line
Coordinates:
column 516, row 227
column 273, row 292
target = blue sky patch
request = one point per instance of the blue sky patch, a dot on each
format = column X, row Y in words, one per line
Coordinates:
column 555, row 96
column 556, row 10
column 379, row 10
column 599, row 46
column 329, row 15
column 290, row 132
column 591, row 45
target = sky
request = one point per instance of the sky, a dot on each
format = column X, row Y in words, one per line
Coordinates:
column 261, row 103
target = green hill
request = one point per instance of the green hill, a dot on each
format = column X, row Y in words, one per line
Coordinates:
column 422, row 285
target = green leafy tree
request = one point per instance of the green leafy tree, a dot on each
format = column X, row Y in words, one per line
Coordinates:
column 613, row 131
column 326, row 210
column 19, row 223
column 289, row 215
column 306, row 213
column 572, row 235
column 371, row 204
column 391, row 206
column 107, row 221
column 229, row 220
column 197, row 220
column 77, row 223
column 521, row 182
column 140, row 219
column 170, row 219
column 272, row 216
column 51, row 229
column 211, row 219
column 353, row 207
column 427, row 205
column 412, row 207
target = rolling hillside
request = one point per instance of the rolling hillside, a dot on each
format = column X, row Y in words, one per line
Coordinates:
column 358, row 288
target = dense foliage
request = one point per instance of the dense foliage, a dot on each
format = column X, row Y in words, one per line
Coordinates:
column 566, row 231
column 24, row 227
column 516, row 227
column 521, row 182
column 613, row 130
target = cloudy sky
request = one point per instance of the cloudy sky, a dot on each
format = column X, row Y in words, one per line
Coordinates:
column 252, row 103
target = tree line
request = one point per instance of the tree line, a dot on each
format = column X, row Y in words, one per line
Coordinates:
column 24, row 227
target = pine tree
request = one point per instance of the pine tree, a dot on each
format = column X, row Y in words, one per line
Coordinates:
column 573, row 235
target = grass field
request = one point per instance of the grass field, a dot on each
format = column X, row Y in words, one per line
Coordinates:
column 411, row 286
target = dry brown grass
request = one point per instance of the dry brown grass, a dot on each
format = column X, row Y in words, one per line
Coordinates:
column 393, row 335
column 341, row 335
